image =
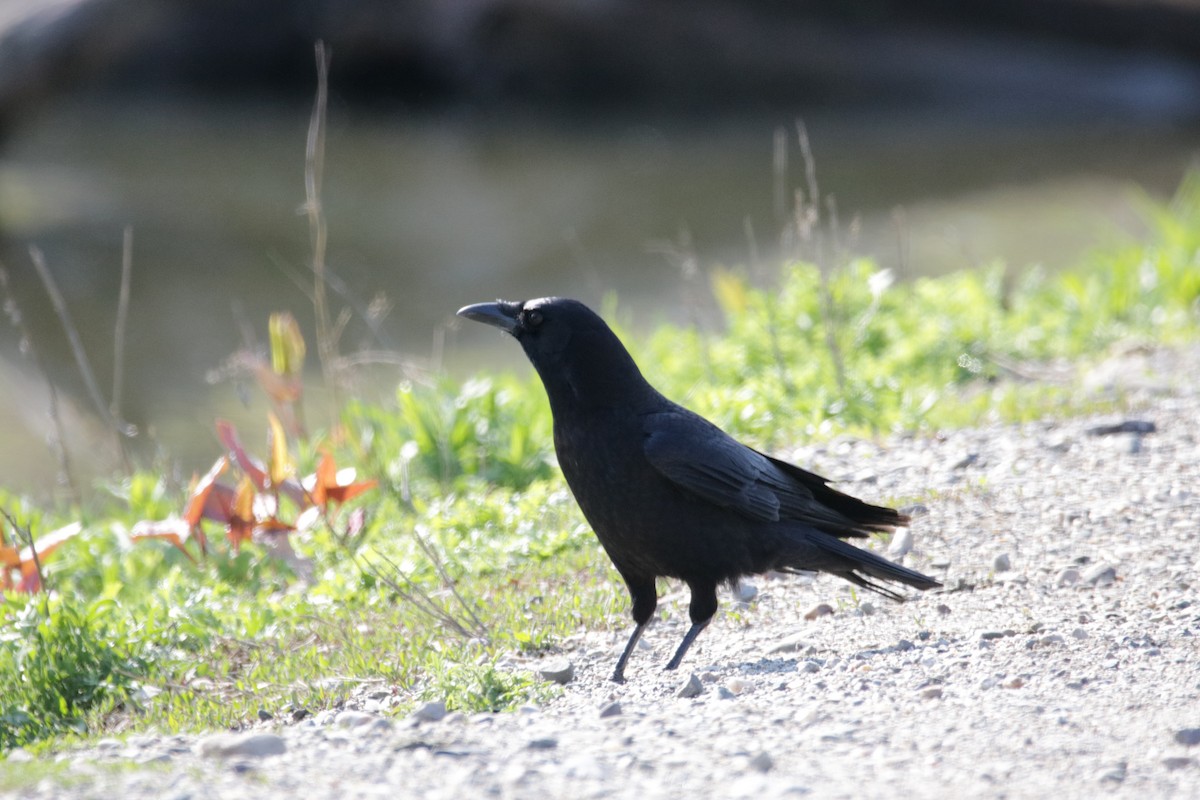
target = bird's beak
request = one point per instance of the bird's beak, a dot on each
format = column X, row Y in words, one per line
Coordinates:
column 499, row 315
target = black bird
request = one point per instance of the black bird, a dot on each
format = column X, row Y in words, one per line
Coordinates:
column 670, row 494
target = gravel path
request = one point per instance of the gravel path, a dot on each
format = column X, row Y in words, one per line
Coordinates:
column 1061, row 660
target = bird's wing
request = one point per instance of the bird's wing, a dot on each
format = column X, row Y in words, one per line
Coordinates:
column 703, row 459
column 706, row 461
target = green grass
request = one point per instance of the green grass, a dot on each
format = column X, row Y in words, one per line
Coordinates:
column 473, row 553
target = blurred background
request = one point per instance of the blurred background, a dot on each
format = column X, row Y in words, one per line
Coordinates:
column 517, row 148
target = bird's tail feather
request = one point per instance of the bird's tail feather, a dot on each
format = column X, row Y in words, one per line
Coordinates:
column 857, row 565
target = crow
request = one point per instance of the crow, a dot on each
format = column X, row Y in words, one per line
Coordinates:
column 670, row 494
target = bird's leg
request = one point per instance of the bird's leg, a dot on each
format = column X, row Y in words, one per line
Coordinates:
column 701, row 609
column 688, row 638
column 645, row 600
column 619, row 672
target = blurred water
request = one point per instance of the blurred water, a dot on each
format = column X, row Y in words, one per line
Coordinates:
column 435, row 212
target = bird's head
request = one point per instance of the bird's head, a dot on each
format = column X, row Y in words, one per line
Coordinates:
column 574, row 351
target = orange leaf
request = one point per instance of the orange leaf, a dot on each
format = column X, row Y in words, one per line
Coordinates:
column 198, row 502
column 241, row 521
column 329, row 483
column 24, row 562
column 174, row 531
column 271, row 526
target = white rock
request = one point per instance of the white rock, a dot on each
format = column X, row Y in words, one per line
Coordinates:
column 692, row 687
column 242, row 745
column 433, row 711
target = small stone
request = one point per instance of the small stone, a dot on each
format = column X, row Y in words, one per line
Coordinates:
column 352, row 719
column 1051, row 639
column 154, row 758
column 19, row 755
column 724, row 694
column 819, row 610
column 235, row 745
column 810, row 666
column 790, row 645
column 433, row 711
column 613, row 709
column 1177, row 762
column 1079, row 633
column 867, row 608
column 964, row 462
column 1188, row 737
column 745, row 591
column 989, row 635
column 1116, row 774
column 692, row 687
column 762, row 763
column 901, row 544
column 738, row 686
column 1067, row 577
column 1138, row 426
column 943, row 610
column 109, row 744
column 264, row 715
column 544, row 743
column 1015, row 683
column 1001, row 563
column 559, row 670
column 1099, row 575
column 932, row 693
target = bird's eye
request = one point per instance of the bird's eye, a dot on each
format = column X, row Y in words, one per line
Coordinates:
column 533, row 318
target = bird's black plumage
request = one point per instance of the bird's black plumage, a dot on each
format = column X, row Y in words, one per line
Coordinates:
column 670, row 494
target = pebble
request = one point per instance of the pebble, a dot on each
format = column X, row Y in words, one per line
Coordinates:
column 932, row 693
column 559, row 670
column 544, row 743
column 810, row 666
column 1002, row 563
column 1067, row 577
column 1177, row 762
column 1079, row 633
column 692, row 687
column 242, row 745
column 901, row 544
column 791, row 644
column 819, row 610
column 1099, row 575
column 1116, row 774
column 1189, row 737
column 745, row 591
column 353, row 719
column 433, row 711
column 738, row 686
column 762, row 763
column 612, row 709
